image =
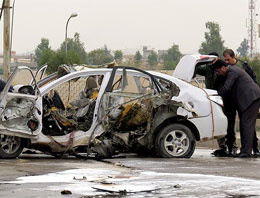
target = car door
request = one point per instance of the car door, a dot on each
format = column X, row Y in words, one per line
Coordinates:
column 21, row 110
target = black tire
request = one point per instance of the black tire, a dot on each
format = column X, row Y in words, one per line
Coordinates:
column 175, row 141
column 10, row 146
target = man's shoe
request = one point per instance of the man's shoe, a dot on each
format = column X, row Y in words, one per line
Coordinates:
column 256, row 154
column 220, row 153
column 244, row 155
column 233, row 152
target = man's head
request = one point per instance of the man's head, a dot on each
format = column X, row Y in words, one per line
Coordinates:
column 220, row 67
column 229, row 57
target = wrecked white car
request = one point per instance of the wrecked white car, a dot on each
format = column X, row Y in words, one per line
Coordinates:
column 107, row 111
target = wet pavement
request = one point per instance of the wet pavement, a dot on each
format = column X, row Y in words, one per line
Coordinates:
column 133, row 176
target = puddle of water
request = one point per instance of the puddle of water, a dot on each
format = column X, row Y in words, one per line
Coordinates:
column 81, row 181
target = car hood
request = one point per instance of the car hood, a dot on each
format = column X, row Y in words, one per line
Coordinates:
column 185, row 69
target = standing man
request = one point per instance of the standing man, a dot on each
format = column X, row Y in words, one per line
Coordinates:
column 245, row 94
column 231, row 59
column 213, row 82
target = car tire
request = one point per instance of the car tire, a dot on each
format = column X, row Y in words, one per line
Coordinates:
column 10, row 146
column 175, row 141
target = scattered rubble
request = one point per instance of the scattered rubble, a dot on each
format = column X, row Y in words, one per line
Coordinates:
column 66, row 192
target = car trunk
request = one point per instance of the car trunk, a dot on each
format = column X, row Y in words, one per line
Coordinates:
column 185, row 70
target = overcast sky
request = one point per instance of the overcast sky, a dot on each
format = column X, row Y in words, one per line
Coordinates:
column 122, row 24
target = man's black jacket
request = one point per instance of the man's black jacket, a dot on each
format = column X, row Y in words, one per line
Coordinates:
column 248, row 70
column 244, row 91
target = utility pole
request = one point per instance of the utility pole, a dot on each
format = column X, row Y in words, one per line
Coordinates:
column 7, row 53
column 252, row 28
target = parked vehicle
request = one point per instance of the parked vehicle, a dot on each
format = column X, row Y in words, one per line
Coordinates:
column 106, row 111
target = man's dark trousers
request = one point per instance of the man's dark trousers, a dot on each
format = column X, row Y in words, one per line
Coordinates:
column 230, row 112
column 247, row 126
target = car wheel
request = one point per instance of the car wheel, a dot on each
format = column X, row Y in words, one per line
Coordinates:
column 175, row 140
column 10, row 146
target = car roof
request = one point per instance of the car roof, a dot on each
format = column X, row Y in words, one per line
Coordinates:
column 88, row 71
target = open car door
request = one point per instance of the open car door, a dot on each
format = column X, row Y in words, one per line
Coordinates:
column 21, row 110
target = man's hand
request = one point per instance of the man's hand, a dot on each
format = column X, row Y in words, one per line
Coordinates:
column 215, row 60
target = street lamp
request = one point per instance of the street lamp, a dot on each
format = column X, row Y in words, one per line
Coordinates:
column 72, row 15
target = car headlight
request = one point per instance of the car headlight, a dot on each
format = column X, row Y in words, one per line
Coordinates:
column 217, row 99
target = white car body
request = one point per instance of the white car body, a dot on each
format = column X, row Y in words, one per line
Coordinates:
column 185, row 71
column 191, row 113
column 211, row 121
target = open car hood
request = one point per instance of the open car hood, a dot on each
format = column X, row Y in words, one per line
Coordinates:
column 185, row 69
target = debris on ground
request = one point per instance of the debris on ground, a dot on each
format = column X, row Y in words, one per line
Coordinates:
column 122, row 189
column 113, row 195
column 66, row 192
column 80, row 179
column 239, row 195
column 177, row 186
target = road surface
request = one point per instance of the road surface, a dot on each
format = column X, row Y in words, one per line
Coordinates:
column 38, row 175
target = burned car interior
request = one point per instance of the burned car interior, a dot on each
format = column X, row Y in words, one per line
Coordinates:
column 74, row 110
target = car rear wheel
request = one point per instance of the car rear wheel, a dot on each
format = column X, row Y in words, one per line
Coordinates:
column 176, row 141
column 10, row 146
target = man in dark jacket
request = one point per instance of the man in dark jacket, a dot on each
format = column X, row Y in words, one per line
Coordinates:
column 231, row 59
column 245, row 94
column 227, row 145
